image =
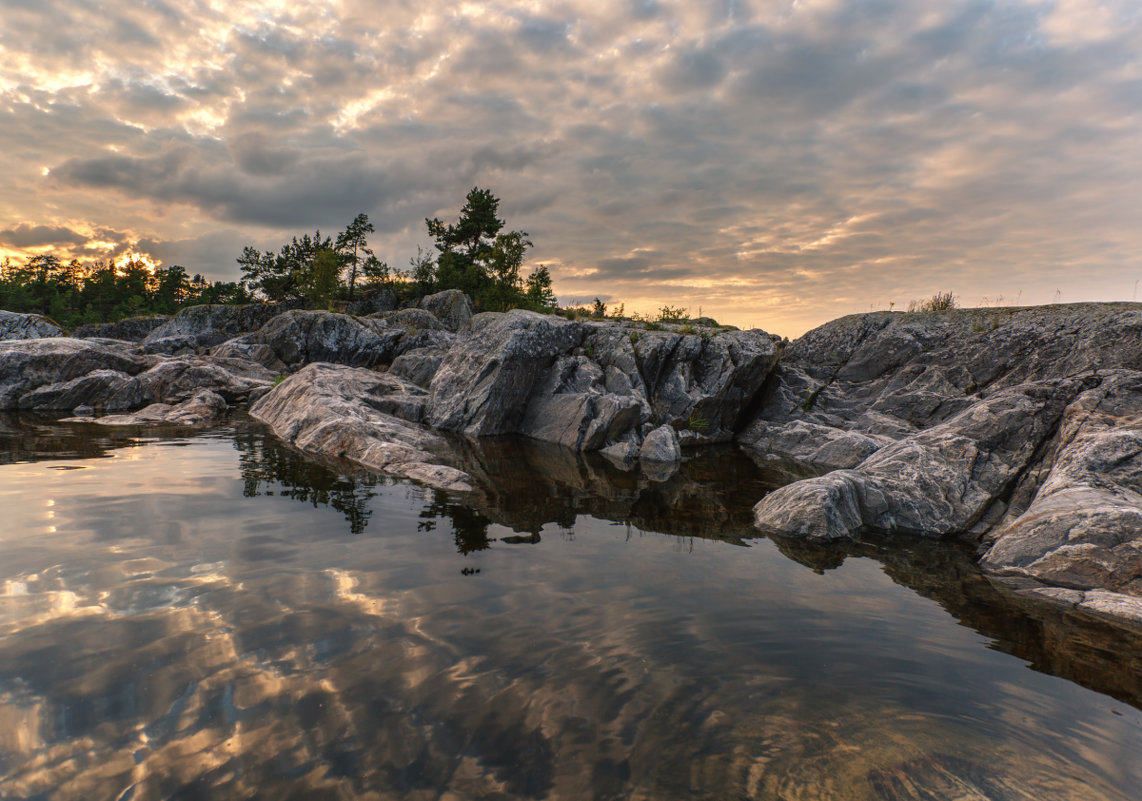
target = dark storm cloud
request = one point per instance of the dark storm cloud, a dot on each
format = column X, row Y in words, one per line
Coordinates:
column 27, row 236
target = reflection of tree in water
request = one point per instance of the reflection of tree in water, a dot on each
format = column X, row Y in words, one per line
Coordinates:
column 469, row 527
column 268, row 468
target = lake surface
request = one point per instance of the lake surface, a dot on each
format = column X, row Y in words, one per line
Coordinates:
column 214, row 616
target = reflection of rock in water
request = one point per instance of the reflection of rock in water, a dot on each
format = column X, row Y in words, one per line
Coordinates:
column 1095, row 653
column 526, row 485
column 269, row 468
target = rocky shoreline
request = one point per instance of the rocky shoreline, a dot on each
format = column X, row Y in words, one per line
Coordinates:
column 1018, row 431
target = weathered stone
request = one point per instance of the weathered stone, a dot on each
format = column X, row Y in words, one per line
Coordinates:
column 295, row 338
column 451, row 307
column 936, row 483
column 203, row 408
column 201, row 327
column 419, row 365
column 347, row 412
column 30, row 364
column 372, row 301
column 133, row 329
column 1084, row 527
column 16, row 326
column 660, row 445
column 484, row 384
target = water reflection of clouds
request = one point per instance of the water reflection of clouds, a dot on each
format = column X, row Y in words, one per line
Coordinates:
column 345, row 664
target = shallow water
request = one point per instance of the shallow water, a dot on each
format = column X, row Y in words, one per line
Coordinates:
column 214, row 616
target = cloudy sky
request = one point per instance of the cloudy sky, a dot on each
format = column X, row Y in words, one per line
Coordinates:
column 776, row 163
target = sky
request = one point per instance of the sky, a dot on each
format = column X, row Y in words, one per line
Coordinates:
column 770, row 163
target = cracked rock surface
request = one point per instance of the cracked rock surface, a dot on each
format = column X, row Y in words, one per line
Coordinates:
column 1017, row 429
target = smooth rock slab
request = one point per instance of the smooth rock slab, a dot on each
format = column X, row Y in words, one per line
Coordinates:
column 350, row 413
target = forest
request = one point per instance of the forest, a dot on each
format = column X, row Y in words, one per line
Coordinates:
column 474, row 254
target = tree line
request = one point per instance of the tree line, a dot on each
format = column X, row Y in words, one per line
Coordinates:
column 73, row 293
column 473, row 254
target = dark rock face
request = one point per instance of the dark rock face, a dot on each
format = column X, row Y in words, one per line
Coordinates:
column 452, row 307
column 374, row 300
column 14, row 325
column 200, row 327
column 1016, row 428
column 294, row 338
column 133, row 329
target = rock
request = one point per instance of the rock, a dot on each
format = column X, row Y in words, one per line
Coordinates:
column 83, row 410
column 15, row 326
column 346, row 412
column 201, row 327
column 419, row 365
column 660, row 445
column 451, row 307
column 936, row 483
column 412, row 320
column 703, row 384
column 1083, row 528
column 294, row 338
column 202, row 408
column 570, row 406
column 28, row 365
column 819, row 446
column 952, row 424
column 57, row 375
column 133, row 329
column 373, row 301
column 484, row 384
column 586, row 385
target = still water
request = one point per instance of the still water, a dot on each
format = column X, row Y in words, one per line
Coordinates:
column 215, row 616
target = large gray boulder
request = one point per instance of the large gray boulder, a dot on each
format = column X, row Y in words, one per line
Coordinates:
column 352, row 413
column 452, row 307
column 294, row 338
column 30, row 364
column 484, row 384
column 589, row 385
column 197, row 328
column 59, row 374
column 14, row 325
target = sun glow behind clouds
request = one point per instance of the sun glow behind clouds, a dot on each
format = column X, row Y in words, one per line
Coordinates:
column 136, row 259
